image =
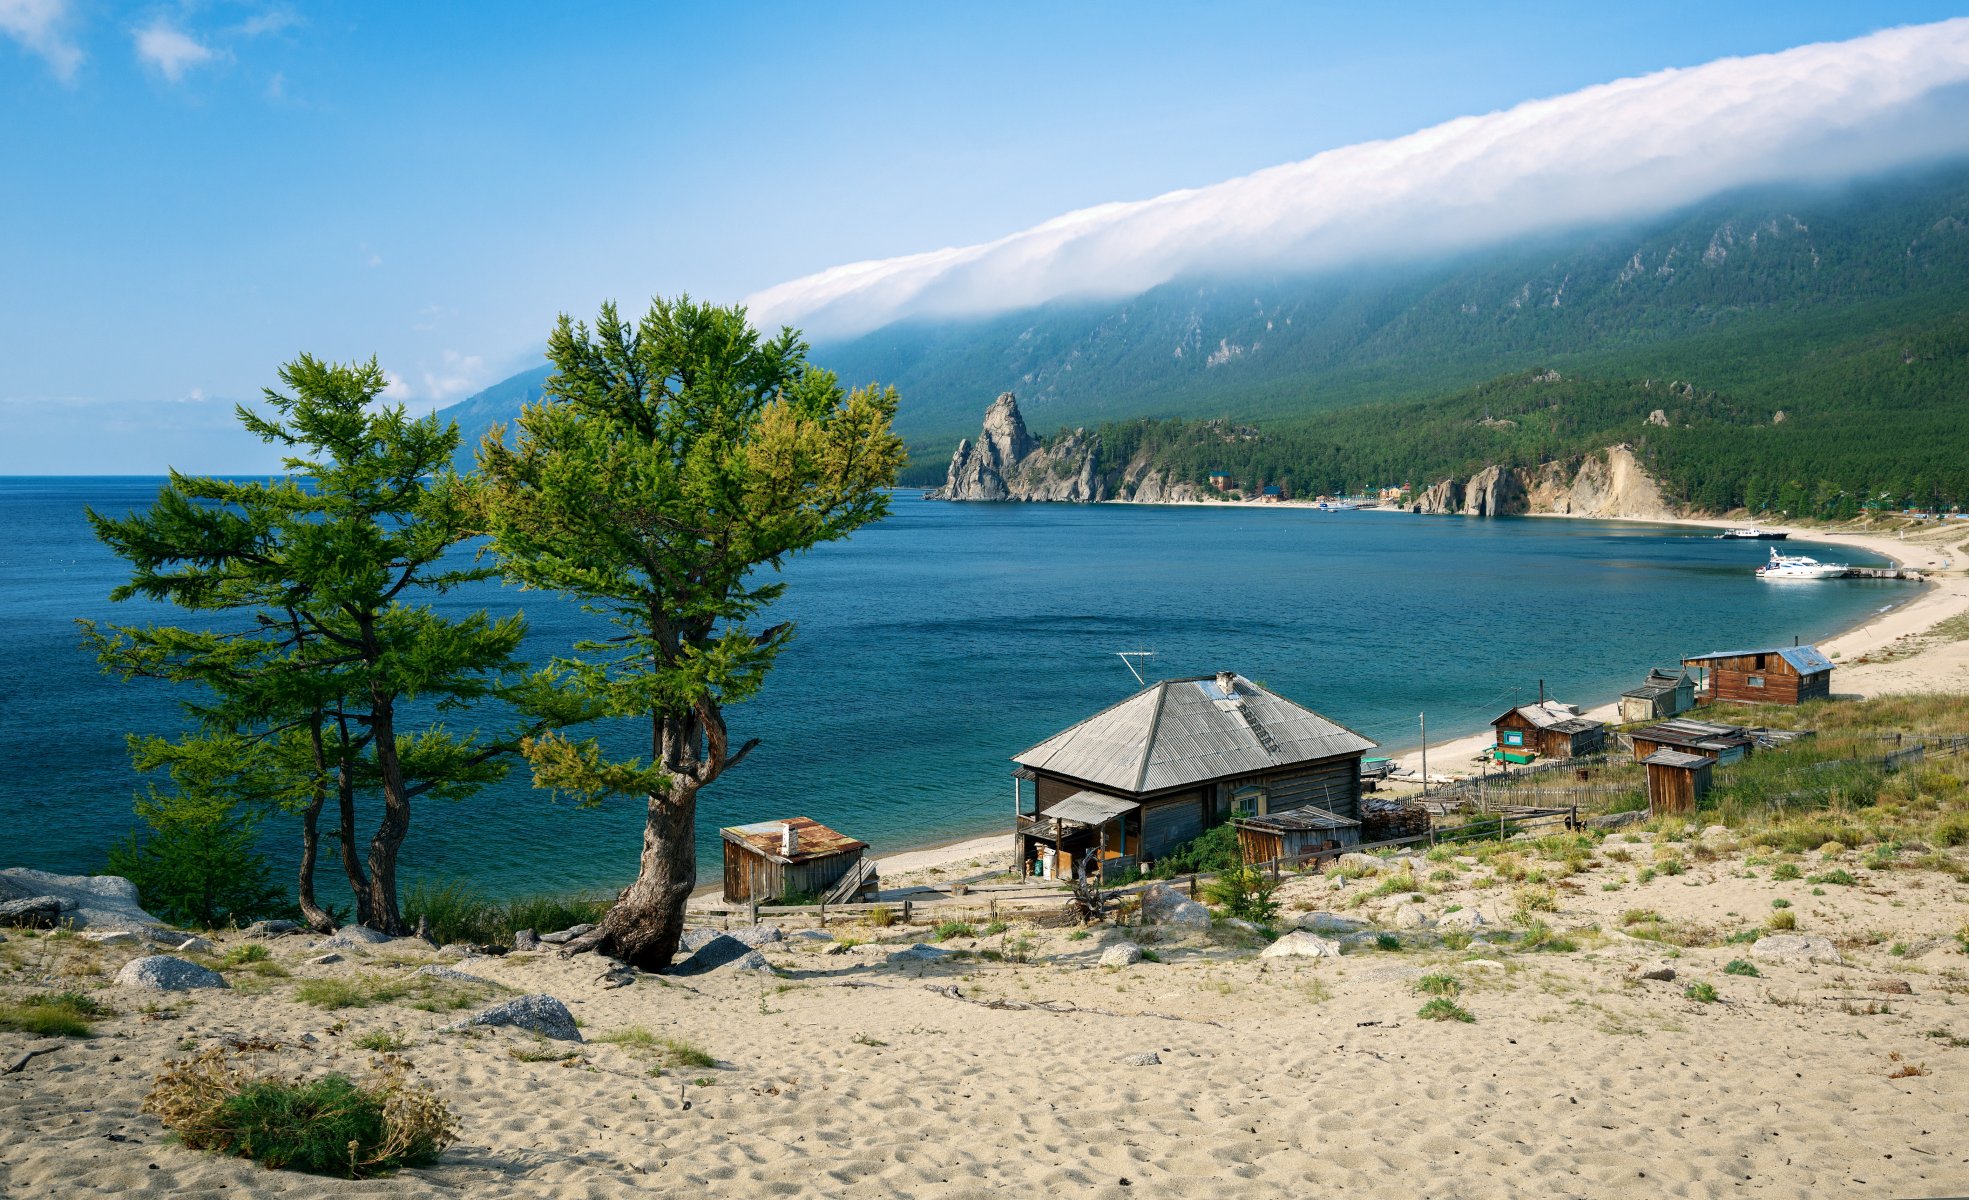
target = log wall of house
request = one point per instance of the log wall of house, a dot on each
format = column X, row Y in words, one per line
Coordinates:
column 1730, row 679
column 1333, row 784
column 1169, row 821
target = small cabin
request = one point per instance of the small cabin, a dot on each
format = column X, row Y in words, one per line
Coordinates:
column 1782, row 675
column 1295, row 834
column 1127, row 785
column 772, row 860
column 1723, row 744
column 1677, row 782
column 1664, row 694
column 1547, row 730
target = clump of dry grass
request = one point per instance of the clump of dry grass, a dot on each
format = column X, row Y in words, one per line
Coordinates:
column 326, row 1125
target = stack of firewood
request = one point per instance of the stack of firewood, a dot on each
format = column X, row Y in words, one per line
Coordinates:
column 1384, row 820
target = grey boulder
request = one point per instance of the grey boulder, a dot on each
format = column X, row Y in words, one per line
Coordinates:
column 1121, row 954
column 538, row 1013
column 87, row 901
column 1163, row 905
column 567, row 935
column 919, row 953
column 1411, row 916
column 271, row 929
column 525, row 940
column 1301, row 944
column 718, row 953
column 1468, row 920
column 1148, row 1058
column 1796, row 949
column 351, row 937
column 451, row 976
column 33, row 912
column 162, row 973
column 1330, row 922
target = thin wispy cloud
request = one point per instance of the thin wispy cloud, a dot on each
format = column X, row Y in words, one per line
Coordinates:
column 1615, row 151
column 41, row 27
column 171, row 50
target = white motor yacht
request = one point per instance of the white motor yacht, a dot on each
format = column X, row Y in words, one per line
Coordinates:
column 1798, row 566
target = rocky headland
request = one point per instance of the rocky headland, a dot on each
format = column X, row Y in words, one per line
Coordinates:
column 1007, row 463
column 1610, row 484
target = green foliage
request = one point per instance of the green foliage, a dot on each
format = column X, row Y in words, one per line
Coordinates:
column 1785, row 872
column 328, row 1125
column 1438, row 984
column 1442, row 1008
column 249, row 952
column 1244, row 893
column 1738, row 966
column 382, row 1041
column 1387, row 941
column 199, row 863
column 56, row 1014
column 953, row 929
column 1840, row 876
column 1211, row 851
column 456, row 911
column 1702, row 993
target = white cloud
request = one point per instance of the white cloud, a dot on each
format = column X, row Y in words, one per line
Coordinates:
column 40, row 26
column 456, row 375
column 1614, row 151
column 171, row 50
column 272, row 20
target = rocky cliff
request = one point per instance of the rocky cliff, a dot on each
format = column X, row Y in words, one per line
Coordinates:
column 1612, row 483
column 1007, row 463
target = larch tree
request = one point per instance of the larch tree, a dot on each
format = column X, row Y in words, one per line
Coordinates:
column 669, row 464
column 320, row 644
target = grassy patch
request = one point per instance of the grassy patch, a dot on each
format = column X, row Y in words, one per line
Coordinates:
column 1738, row 966
column 674, row 1052
column 1841, row 877
column 458, row 912
column 1438, row 984
column 329, row 1125
column 416, row 991
column 57, row 1014
column 382, row 1042
column 1784, row 872
column 1782, row 919
column 1442, row 1008
column 1702, row 993
column 953, row 929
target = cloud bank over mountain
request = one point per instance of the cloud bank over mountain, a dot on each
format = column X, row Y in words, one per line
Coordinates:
column 1615, row 151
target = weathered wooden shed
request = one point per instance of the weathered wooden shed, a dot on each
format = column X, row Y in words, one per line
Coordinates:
column 1664, row 694
column 1294, row 834
column 1723, row 743
column 1550, row 729
column 1132, row 782
column 1677, row 781
column 771, row 860
column 1781, row 675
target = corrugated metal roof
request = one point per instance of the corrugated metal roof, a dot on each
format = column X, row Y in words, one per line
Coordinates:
column 1806, row 660
column 811, row 839
column 1659, row 683
column 1675, row 758
column 1089, row 808
column 1301, row 818
column 1704, row 734
column 1183, row 731
column 1554, row 716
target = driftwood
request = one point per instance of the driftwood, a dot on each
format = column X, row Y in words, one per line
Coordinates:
column 25, row 1057
column 950, row 991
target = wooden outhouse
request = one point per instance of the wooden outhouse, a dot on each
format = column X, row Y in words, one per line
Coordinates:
column 1132, row 782
column 1723, row 743
column 1677, row 781
column 1547, row 730
column 772, row 860
column 1665, row 694
column 1295, row 833
column 1782, row 675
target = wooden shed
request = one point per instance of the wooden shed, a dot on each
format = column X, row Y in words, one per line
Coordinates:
column 771, row 860
column 1547, row 730
column 1294, row 834
column 1782, row 675
column 1722, row 743
column 1677, row 782
column 1125, row 786
column 1664, row 694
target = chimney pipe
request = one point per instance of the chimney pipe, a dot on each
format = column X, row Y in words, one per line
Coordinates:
column 1541, row 693
column 787, row 842
column 1227, row 683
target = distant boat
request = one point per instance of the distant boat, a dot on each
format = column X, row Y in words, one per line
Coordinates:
column 1755, row 533
column 1797, row 566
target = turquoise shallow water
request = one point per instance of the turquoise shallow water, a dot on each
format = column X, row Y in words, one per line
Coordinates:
column 936, row 644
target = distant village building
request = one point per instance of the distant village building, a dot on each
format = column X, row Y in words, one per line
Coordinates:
column 1547, row 730
column 1221, row 481
column 1677, row 781
column 1132, row 782
column 1664, row 694
column 1722, row 743
column 1782, row 675
column 771, row 860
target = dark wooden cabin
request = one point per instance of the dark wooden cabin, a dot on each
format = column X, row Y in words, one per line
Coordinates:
column 771, row 860
column 1550, row 729
column 1722, row 743
column 1294, row 834
column 1782, row 675
column 1677, row 782
column 1665, row 694
column 1128, row 784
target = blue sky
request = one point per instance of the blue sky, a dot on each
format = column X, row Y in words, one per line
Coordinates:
column 193, row 193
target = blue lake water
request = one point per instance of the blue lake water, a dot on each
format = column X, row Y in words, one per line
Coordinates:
column 934, row 645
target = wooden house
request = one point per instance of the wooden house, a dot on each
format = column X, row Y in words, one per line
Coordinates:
column 1782, row 675
column 1547, row 730
column 1294, row 834
column 1721, row 743
column 1664, row 694
column 771, row 860
column 1677, row 782
column 1132, row 782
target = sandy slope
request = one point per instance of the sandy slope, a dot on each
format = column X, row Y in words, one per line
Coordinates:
column 1577, row 1078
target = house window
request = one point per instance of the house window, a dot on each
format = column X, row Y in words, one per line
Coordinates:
column 1755, row 681
column 1514, row 737
column 1760, row 662
column 1248, row 802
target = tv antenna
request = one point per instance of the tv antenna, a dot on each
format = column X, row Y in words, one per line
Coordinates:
column 1128, row 658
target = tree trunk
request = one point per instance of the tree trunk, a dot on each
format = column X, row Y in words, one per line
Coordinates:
column 395, row 826
column 317, row 917
column 647, row 922
column 345, row 795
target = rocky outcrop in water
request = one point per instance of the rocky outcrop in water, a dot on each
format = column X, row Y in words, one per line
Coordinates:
column 1612, row 483
column 1008, row 463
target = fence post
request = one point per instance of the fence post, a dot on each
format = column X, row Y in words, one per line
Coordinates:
column 752, row 911
column 905, row 912
column 823, row 914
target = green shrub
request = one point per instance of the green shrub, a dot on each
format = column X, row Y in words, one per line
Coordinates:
column 1784, row 918
column 1786, row 871
column 953, row 929
column 1442, row 1008
column 457, row 912
column 1738, row 966
column 1780, row 903
column 1211, row 851
column 251, row 952
column 1842, row 877
column 198, row 865
column 881, row 916
column 1244, row 893
column 1701, row 992
column 329, row 1125
column 1438, row 984
column 995, row 928
column 382, row 1042
column 1387, row 941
